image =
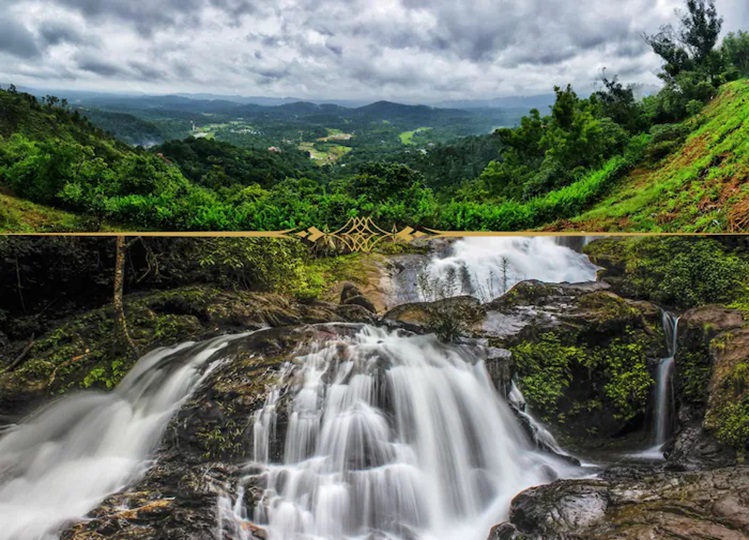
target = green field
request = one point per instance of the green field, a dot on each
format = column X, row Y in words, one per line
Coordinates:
column 324, row 153
column 407, row 137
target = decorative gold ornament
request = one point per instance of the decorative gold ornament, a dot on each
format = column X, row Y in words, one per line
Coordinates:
column 361, row 234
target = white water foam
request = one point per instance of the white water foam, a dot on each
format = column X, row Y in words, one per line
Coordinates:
column 63, row 461
column 488, row 267
column 388, row 437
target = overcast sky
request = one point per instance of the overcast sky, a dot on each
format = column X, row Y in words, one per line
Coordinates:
column 412, row 50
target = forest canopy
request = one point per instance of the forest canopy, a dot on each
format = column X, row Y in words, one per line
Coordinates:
column 551, row 166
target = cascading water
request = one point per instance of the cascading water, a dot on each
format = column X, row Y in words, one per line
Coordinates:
column 541, row 435
column 61, row 462
column 664, row 377
column 663, row 394
column 489, row 267
column 387, row 437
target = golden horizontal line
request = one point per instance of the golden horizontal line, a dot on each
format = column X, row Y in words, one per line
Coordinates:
column 436, row 233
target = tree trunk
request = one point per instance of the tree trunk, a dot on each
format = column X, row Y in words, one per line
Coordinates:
column 123, row 339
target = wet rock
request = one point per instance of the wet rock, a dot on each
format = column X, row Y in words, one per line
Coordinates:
column 670, row 506
column 532, row 307
column 352, row 295
column 504, row 531
column 205, row 445
column 499, row 365
column 355, row 313
column 710, row 386
column 420, row 317
column 561, row 507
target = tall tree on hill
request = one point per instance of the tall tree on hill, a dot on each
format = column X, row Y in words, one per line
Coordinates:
column 736, row 53
column 691, row 47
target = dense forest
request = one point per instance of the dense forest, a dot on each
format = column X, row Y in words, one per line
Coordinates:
column 370, row 161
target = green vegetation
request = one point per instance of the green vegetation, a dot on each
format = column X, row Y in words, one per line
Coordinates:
column 407, row 137
column 615, row 374
column 699, row 186
column 177, row 289
column 676, row 160
column 545, row 366
column 682, row 272
column 33, row 298
column 708, row 273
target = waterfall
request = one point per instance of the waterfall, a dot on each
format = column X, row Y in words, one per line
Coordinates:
column 64, row 460
column 489, row 267
column 540, row 434
column 664, row 383
column 387, row 437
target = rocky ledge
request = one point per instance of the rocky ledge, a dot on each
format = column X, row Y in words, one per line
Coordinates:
column 634, row 505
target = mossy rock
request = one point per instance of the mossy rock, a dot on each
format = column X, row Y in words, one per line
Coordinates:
column 207, row 443
column 711, row 383
column 81, row 353
column 587, row 367
column 450, row 318
column 727, row 412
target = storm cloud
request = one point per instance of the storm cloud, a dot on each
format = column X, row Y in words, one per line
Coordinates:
column 16, row 40
column 410, row 50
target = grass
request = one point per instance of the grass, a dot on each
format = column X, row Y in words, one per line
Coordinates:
column 324, row 153
column 701, row 187
column 407, row 137
column 22, row 216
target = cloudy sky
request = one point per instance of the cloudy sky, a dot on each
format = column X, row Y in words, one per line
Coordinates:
column 415, row 50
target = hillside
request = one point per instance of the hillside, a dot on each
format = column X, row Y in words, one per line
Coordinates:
column 20, row 216
column 700, row 186
column 659, row 177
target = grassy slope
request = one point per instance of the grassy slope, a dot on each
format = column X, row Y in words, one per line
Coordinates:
column 702, row 187
column 21, row 216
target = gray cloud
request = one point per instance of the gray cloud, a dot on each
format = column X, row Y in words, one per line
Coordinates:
column 16, row 40
column 148, row 16
column 55, row 32
column 414, row 50
column 99, row 66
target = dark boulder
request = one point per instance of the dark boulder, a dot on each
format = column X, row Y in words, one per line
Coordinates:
column 665, row 506
column 352, row 295
column 711, row 384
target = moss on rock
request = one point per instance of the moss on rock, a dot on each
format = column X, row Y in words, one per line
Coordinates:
column 80, row 353
column 585, row 365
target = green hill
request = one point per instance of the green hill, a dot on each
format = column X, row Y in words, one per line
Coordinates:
column 700, row 186
column 689, row 176
column 21, row 216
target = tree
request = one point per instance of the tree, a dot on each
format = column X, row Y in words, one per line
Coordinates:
column 122, row 337
column 735, row 51
column 380, row 181
column 618, row 102
column 691, row 47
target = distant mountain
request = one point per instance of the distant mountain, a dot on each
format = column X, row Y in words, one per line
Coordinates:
column 275, row 102
column 540, row 102
column 388, row 110
column 307, row 108
column 242, row 100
